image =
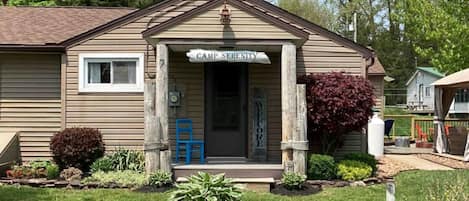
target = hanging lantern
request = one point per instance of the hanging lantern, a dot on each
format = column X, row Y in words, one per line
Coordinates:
column 225, row 14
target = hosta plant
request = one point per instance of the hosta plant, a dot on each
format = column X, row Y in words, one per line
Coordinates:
column 206, row 187
column 120, row 160
column 160, row 178
column 293, row 181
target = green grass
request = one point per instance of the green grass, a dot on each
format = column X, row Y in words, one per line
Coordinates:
column 413, row 185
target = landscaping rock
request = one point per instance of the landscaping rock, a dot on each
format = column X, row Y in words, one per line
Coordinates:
column 6, row 181
column 75, row 183
column 357, row 184
column 341, row 184
column 49, row 185
column 61, row 184
column 372, row 180
column 93, row 185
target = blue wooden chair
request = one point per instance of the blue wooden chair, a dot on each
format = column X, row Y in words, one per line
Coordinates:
column 184, row 127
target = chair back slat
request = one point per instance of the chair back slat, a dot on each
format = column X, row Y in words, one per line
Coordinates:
column 183, row 126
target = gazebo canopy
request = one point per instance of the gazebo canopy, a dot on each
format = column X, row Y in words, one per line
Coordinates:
column 445, row 89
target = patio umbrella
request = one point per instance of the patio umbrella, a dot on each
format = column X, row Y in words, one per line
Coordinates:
column 445, row 89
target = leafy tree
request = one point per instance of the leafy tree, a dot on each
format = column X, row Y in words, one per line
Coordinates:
column 313, row 10
column 337, row 104
column 439, row 31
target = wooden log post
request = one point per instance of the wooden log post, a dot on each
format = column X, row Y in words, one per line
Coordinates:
column 288, row 88
column 300, row 138
column 162, row 104
column 151, row 138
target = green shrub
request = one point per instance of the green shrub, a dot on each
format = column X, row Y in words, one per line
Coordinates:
column 103, row 164
column 127, row 178
column 71, row 174
column 120, row 160
column 77, row 147
column 53, row 171
column 365, row 158
column 160, row 178
column 350, row 170
column 321, row 167
column 293, row 181
column 203, row 186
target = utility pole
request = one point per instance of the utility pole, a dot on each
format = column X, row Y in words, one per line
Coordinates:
column 355, row 26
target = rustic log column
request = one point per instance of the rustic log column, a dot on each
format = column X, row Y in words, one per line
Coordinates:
column 300, row 138
column 152, row 138
column 162, row 104
column 288, row 70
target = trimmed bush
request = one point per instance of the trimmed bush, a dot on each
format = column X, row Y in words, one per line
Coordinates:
column 127, row 178
column 321, row 167
column 293, row 181
column 365, row 158
column 350, row 170
column 206, row 187
column 53, row 171
column 160, row 179
column 120, row 160
column 77, row 147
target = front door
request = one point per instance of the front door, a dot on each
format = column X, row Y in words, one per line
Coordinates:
column 225, row 106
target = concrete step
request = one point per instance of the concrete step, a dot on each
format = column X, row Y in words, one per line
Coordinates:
column 232, row 170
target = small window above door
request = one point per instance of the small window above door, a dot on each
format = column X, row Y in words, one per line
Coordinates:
column 111, row 72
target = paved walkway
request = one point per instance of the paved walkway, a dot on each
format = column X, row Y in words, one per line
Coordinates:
column 417, row 162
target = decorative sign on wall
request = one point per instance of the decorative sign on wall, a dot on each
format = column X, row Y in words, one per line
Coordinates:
column 201, row 56
column 259, row 127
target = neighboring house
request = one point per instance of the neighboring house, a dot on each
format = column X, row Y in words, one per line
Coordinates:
column 66, row 67
column 420, row 93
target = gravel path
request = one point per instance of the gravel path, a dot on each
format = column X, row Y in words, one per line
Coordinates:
column 418, row 163
column 388, row 167
column 453, row 163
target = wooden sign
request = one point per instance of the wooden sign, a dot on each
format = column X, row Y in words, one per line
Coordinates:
column 259, row 127
column 202, row 56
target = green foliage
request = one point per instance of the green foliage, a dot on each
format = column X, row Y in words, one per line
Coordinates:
column 160, row 178
column 321, row 167
column 365, row 158
column 127, row 178
column 122, row 159
column 31, row 3
column 77, row 147
column 350, row 170
column 206, row 187
column 53, row 171
column 71, row 174
column 439, row 32
column 103, row 164
column 293, row 181
column 313, row 10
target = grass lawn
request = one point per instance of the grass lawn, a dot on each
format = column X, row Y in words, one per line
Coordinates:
column 414, row 185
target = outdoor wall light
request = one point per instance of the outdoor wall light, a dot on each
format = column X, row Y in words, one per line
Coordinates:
column 225, row 15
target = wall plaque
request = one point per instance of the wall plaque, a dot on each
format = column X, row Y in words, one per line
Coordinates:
column 259, row 127
column 244, row 56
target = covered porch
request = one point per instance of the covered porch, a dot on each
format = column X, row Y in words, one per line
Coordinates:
column 251, row 116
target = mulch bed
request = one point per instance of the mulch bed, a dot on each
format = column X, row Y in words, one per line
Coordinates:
column 449, row 162
column 308, row 189
column 388, row 168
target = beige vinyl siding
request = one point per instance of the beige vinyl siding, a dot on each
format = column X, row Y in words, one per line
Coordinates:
column 242, row 26
column 267, row 78
column 378, row 89
column 119, row 116
column 30, row 100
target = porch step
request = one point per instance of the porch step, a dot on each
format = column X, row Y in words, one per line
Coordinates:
column 226, row 160
column 239, row 171
column 252, row 184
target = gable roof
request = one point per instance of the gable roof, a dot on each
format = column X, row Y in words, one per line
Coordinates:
column 430, row 70
column 235, row 3
column 377, row 68
column 260, row 5
column 49, row 26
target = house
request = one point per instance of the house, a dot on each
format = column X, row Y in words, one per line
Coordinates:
column 65, row 67
column 420, row 93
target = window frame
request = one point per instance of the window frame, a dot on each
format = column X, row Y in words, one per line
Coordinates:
column 83, row 76
column 429, row 90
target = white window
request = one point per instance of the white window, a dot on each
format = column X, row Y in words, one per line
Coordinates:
column 427, row 91
column 118, row 72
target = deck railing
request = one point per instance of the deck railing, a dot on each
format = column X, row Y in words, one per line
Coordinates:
column 425, row 126
column 403, row 125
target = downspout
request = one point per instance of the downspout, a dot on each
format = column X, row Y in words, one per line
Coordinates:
column 370, row 62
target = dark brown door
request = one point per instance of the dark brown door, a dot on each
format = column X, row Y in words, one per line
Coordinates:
column 225, row 106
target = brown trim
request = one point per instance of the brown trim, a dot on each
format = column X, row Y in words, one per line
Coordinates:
column 367, row 53
column 240, row 5
column 119, row 21
column 63, row 91
column 33, row 48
